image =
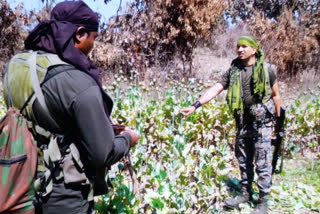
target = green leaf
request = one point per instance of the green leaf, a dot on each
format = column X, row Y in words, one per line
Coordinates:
column 157, row 203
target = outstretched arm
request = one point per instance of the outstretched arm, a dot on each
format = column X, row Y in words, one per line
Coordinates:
column 206, row 97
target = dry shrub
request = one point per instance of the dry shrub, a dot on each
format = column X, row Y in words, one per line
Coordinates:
column 152, row 33
column 223, row 42
column 45, row 11
column 11, row 35
column 245, row 10
column 109, row 58
column 291, row 43
column 288, row 32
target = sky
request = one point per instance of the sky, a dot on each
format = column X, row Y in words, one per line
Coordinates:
column 106, row 10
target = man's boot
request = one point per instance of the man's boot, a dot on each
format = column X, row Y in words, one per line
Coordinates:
column 261, row 208
column 233, row 203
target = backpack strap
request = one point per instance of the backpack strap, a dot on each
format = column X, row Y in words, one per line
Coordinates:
column 32, row 62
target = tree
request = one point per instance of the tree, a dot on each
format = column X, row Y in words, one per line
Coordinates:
column 11, row 33
column 153, row 32
column 244, row 10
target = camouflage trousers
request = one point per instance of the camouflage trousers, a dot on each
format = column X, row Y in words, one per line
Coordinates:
column 253, row 145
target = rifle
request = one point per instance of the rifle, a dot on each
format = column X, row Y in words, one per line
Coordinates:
column 277, row 142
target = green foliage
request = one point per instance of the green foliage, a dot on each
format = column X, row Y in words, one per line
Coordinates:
column 118, row 200
column 312, row 175
column 3, row 108
column 303, row 126
column 184, row 165
column 299, row 188
column 181, row 163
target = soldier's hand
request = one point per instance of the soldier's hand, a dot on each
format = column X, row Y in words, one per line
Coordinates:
column 134, row 136
column 188, row 110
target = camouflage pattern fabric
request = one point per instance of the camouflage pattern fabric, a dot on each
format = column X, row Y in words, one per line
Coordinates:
column 253, row 143
column 18, row 164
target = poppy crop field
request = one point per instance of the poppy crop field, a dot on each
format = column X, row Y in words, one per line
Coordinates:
column 187, row 164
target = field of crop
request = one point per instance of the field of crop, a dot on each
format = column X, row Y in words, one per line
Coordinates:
column 178, row 48
column 187, row 165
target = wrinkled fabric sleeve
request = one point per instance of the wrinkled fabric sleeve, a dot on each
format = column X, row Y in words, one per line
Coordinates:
column 122, row 142
column 98, row 140
column 272, row 75
column 224, row 79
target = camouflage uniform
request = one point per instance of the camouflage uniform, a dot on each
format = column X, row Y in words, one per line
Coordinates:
column 254, row 135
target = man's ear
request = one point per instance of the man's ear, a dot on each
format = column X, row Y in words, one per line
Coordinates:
column 80, row 34
column 255, row 50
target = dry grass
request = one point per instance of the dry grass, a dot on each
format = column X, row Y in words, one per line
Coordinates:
column 207, row 65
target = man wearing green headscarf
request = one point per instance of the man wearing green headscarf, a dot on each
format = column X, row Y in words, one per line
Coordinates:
column 254, row 100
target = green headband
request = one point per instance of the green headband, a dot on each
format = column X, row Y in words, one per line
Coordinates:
column 249, row 41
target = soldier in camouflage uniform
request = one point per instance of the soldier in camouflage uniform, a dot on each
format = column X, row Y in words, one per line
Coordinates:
column 254, row 100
